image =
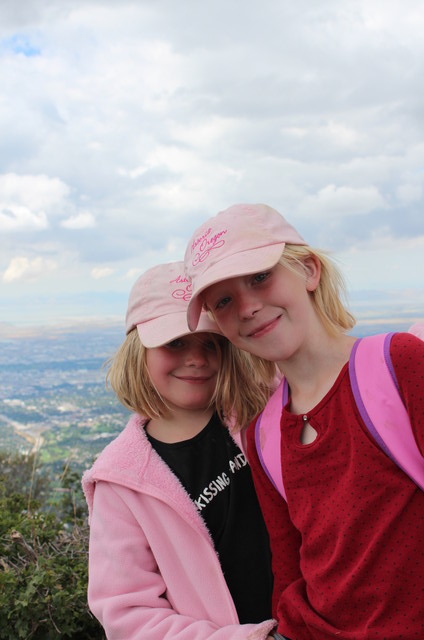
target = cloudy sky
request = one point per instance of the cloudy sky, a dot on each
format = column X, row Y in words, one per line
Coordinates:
column 125, row 124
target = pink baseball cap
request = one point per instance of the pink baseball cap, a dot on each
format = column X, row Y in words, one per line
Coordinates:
column 243, row 239
column 157, row 306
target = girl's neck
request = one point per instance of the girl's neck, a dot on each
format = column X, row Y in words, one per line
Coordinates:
column 312, row 372
column 179, row 425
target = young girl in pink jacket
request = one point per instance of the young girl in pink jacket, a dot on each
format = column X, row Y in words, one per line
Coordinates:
column 178, row 547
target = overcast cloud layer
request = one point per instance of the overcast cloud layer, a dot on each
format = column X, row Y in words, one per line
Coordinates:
column 125, row 124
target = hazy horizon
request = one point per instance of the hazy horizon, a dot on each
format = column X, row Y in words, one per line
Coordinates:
column 395, row 310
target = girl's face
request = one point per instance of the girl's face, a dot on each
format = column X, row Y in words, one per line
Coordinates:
column 185, row 371
column 268, row 313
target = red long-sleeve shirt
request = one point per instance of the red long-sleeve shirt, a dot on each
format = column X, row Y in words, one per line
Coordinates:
column 348, row 546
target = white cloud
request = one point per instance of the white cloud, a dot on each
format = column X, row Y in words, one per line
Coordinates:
column 83, row 220
column 133, row 273
column 381, row 259
column 22, row 269
column 15, row 217
column 34, row 191
column 132, row 173
column 342, row 201
column 386, row 241
column 206, row 133
column 26, row 200
column 409, row 193
column 97, row 273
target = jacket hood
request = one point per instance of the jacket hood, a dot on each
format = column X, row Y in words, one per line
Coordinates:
column 130, row 461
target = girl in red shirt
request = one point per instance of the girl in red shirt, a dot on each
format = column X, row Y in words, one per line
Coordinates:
column 347, row 546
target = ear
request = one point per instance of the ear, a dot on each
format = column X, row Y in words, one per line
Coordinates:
column 313, row 272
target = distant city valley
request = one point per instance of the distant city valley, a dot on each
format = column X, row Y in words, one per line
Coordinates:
column 53, row 399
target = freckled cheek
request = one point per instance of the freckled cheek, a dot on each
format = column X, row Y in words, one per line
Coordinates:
column 226, row 325
column 230, row 329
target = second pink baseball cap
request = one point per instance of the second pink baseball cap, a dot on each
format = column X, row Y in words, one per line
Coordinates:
column 243, row 239
column 158, row 304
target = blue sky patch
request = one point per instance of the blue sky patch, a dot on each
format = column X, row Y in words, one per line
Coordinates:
column 20, row 43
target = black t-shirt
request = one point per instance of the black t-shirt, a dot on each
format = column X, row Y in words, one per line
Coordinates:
column 217, row 477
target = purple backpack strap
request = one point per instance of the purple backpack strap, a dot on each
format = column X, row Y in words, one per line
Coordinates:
column 268, row 436
column 378, row 400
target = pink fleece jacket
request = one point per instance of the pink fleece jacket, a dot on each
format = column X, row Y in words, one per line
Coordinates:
column 153, row 570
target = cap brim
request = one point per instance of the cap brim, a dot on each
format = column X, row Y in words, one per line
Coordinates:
column 239, row 264
column 164, row 329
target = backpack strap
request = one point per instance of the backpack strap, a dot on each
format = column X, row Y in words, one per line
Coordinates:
column 379, row 402
column 268, row 436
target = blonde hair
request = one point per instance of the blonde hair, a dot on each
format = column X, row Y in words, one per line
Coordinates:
column 329, row 296
column 242, row 389
column 244, row 385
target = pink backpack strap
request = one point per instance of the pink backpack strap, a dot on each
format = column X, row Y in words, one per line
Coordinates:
column 379, row 402
column 268, row 436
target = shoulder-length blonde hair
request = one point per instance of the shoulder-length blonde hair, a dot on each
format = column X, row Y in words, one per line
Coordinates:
column 243, row 386
column 330, row 295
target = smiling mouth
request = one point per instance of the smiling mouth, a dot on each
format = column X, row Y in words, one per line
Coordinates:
column 263, row 329
column 193, row 379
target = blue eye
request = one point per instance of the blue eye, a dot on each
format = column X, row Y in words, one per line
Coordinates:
column 261, row 277
column 221, row 304
column 175, row 344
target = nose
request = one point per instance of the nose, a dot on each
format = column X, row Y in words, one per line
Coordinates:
column 197, row 355
column 247, row 305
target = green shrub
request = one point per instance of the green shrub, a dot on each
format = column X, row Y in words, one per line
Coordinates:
column 43, row 560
